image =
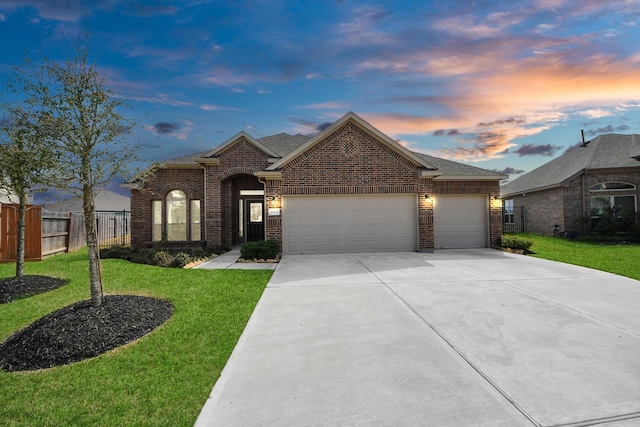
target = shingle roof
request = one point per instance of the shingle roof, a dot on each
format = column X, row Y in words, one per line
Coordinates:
column 105, row 200
column 603, row 152
column 450, row 168
column 283, row 143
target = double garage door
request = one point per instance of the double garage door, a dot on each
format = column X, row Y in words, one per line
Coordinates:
column 375, row 223
column 334, row 224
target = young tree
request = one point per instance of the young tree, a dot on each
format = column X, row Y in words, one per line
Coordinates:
column 26, row 158
column 88, row 133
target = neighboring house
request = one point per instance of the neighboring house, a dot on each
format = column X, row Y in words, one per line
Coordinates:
column 8, row 198
column 104, row 200
column 112, row 216
column 571, row 190
column 348, row 188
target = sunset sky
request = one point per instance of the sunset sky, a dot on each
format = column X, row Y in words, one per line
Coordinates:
column 503, row 85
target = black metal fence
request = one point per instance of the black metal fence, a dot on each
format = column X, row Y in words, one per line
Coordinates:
column 113, row 228
column 513, row 219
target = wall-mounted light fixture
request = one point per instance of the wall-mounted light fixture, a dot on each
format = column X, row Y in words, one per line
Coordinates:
column 272, row 201
column 496, row 197
column 427, row 197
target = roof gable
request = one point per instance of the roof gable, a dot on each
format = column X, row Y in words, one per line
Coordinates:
column 238, row 138
column 358, row 121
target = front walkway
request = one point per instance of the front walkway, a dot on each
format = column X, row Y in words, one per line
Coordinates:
column 228, row 261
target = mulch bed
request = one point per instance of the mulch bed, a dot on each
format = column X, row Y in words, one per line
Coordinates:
column 12, row 289
column 80, row 331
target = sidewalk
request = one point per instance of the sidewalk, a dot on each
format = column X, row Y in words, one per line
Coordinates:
column 227, row 261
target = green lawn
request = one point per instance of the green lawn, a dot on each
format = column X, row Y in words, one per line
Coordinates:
column 163, row 379
column 618, row 258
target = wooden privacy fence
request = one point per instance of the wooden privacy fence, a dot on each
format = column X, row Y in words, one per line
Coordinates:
column 9, row 233
column 48, row 233
column 62, row 232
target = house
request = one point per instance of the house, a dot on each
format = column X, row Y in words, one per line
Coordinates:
column 112, row 216
column 104, row 201
column 572, row 190
column 8, row 198
column 349, row 188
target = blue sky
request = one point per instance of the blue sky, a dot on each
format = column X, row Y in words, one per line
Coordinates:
column 503, row 85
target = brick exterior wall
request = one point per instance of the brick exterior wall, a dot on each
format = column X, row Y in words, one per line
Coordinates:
column 190, row 181
column 348, row 161
column 569, row 205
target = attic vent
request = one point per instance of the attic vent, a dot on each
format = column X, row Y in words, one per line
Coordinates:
column 349, row 146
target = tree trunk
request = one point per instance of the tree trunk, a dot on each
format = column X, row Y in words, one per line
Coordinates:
column 95, row 273
column 22, row 208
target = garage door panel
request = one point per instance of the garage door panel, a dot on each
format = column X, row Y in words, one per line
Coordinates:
column 349, row 223
column 460, row 222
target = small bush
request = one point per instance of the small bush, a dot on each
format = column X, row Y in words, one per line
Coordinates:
column 260, row 250
column 162, row 259
column 250, row 250
column 176, row 258
column 181, row 259
column 515, row 243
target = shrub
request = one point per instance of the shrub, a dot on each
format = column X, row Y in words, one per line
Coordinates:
column 176, row 258
column 162, row 259
column 181, row 259
column 260, row 250
column 515, row 243
column 250, row 250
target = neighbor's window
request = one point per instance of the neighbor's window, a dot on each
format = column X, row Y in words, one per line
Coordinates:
column 195, row 220
column 508, row 209
column 156, row 221
column 600, row 203
column 612, row 186
column 176, row 203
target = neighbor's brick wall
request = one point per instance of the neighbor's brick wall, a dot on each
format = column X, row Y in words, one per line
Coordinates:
column 543, row 209
column 569, row 206
column 573, row 206
column 190, row 181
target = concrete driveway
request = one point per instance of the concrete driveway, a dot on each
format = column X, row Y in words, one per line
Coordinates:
column 454, row 338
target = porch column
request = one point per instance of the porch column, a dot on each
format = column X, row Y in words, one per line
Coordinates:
column 213, row 207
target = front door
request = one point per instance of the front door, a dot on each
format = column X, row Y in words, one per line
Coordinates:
column 254, row 219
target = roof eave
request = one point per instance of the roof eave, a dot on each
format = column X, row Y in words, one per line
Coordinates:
column 272, row 175
column 183, row 165
column 470, row 178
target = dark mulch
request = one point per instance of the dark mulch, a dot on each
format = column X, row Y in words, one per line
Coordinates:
column 80, row 331
column 12, row 289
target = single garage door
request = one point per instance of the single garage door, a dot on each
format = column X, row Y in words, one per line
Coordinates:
column 334, row 224
column 460, row 222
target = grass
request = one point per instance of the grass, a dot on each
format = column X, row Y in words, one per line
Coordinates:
column 614, row 258
column 162, row 379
